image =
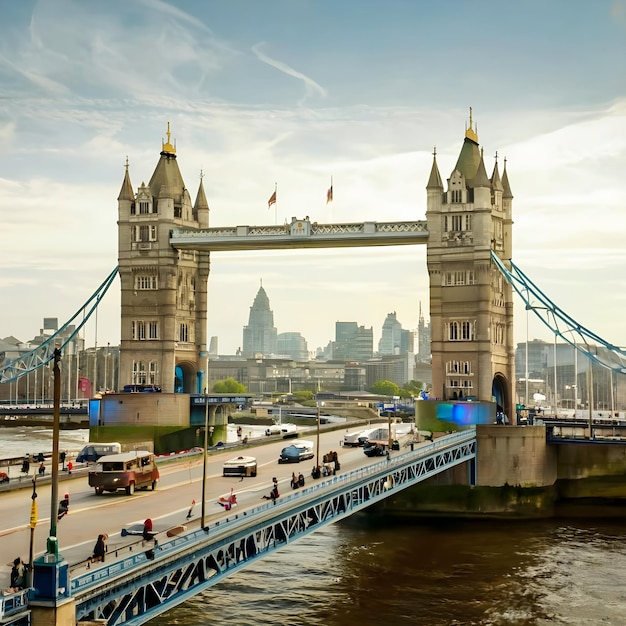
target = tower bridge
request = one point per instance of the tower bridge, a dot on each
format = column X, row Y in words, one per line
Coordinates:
column 165, row 243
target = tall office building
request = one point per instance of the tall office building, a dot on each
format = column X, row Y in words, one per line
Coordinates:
column 391, row 339
column 260, row 335
column 423, row 339
column 293, row 345
column 353, row 342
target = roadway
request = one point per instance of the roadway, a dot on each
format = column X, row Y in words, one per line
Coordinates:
column 168, row 505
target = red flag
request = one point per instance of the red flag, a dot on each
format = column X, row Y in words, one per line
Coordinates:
column 272, row 199
column 329, row 194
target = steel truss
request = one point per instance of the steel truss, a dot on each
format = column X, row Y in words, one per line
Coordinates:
column 133, row 591
column 44, row 353
column 559, row 322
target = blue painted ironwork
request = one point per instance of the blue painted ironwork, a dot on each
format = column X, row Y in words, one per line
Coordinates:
column 136, row 589
column 14, row 609
column 44, row 353
column 560, row 323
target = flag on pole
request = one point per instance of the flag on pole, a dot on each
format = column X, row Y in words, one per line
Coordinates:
column 272, row 199
column 329, row 193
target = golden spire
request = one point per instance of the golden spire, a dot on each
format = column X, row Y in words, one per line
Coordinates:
column 471, row 133
column 167, row 146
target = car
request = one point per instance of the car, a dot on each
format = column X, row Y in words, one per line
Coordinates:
column 373, row 449
column 296, row 452
column 4, row 477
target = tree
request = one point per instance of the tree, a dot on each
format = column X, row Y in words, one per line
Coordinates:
column 385, row 388
column 413, row 387
column 302, row 395
column 229, row 385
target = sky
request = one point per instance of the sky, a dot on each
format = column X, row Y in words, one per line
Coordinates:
column 291, row 93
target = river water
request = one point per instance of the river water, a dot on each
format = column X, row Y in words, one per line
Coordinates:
column 370, row 571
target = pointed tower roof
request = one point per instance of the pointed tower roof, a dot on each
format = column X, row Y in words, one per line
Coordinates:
column 201, row 201
column 126, row 192
column 261, row 301
column 167, row 180
column 480, row 179
column 496, row 183
column 469, row 158
column 434, row 181
column 506, row 193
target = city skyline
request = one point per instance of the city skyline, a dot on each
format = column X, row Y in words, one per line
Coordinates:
column 287, row 98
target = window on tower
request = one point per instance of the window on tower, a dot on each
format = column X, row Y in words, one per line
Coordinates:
column 460, row 331
column 143, row 282
column 183, row 332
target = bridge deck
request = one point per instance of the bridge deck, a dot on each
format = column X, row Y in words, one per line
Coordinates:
column 137, row 588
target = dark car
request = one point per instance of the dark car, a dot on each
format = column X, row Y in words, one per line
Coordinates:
column 373, row 449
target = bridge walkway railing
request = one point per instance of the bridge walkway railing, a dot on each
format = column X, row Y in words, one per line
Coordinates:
column 139, row 587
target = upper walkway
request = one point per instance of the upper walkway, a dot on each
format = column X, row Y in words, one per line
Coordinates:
column 300, row 234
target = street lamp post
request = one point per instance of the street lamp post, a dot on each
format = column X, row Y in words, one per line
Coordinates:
column 526, row 362
column 317, row 447
column 52, row 539
column 206, row 443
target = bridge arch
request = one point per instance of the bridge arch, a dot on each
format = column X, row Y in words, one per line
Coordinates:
column 501, row 392
column 186, row 378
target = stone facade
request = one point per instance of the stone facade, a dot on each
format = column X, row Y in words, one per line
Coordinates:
column 163, row 290
column 471, row 304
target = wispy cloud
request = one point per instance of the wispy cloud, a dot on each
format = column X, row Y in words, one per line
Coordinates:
column 312, row 87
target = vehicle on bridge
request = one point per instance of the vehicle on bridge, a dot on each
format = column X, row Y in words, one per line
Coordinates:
column 359, row 437
column 286, row 430
column 296, row 452
column 240, row 466
column 374, row 448
column 93, row 451
column 141, row 389
column 128, row 471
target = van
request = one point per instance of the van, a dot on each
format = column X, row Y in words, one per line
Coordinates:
column 128, row 471
column 358, row 438
column 93, row 451
column 240, row 466
column 296, row 452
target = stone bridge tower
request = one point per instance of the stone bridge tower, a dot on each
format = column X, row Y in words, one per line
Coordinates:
column 164, row 291
column 471, row 304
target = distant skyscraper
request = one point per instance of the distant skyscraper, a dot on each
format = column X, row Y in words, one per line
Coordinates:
column 423, row 339
column 293, row 345
column 260, row 335
column 213, row 350
column 352, row 342
column 391, row 340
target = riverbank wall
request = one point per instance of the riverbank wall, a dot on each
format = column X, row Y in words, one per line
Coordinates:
column 520, row 475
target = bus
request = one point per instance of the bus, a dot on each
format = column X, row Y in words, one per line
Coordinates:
column 128, row 471
column 240, row 466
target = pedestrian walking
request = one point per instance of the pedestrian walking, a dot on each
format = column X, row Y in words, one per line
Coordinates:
column 42, row 469
column 70, row 467
column 147, row 533
column 18, row 574
column 64, row 506
column 99, row 550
